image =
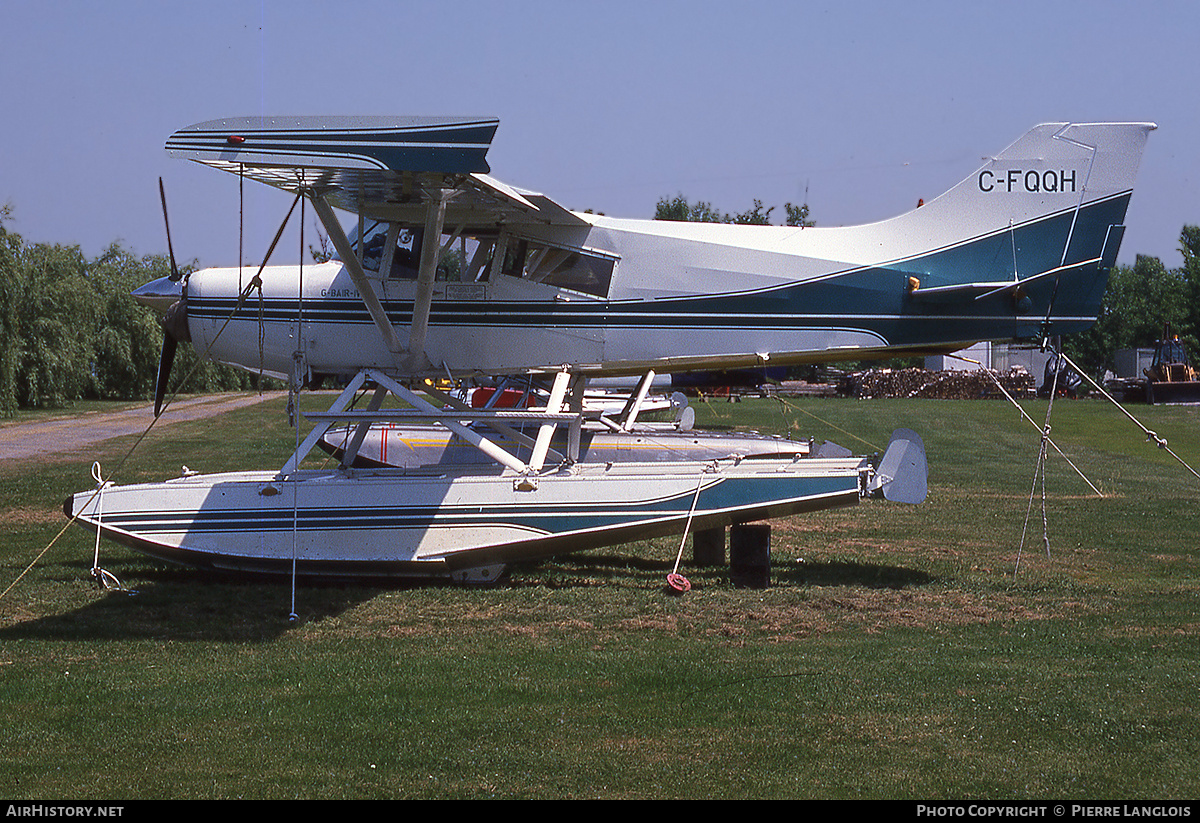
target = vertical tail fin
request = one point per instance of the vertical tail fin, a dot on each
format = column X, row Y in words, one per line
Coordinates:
column 1047, row 201
column 1035, row 229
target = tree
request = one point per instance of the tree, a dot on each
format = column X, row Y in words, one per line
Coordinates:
column 128, row 337
column 56, row 321
column 1138, row 302
column 10, row 332
column 797, row 215
column 1189, row 242
column 1139, row 299
column 680, row 209
column 323, row 251
column 69, row 328
column 755, row 216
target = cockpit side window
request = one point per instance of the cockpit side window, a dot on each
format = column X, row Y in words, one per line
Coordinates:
column 578, row 270
column 587, row 271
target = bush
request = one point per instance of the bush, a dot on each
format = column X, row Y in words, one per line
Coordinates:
column 69, row 329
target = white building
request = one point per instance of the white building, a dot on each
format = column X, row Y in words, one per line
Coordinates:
column 995, row 356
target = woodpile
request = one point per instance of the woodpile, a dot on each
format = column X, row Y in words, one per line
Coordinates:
column 938, row 385
column 801, row 388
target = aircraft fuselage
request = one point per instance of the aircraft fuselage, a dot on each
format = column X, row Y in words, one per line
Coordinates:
column 1019, row 250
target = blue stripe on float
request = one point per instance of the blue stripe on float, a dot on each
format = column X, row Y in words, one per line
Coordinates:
column 548, row 519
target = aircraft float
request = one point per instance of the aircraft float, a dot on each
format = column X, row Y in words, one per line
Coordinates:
column 449, row 273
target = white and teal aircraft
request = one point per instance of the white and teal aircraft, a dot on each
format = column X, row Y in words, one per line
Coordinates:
column 1019, row 250
column 448, row 272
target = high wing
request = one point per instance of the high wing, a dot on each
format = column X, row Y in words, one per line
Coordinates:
column 419, row 171
column 382, row 168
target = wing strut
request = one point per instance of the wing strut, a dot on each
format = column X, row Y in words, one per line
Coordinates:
column 435, row 216
column 361, row 430
column 449, row 401
column 546, row 431
column 456, row 421
column 634, row 406
column 415, row 359
column 355, row 270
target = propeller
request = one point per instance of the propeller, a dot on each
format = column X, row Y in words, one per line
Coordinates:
column 174, row 322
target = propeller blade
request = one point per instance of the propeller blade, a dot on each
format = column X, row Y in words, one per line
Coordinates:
column 162, row 193
column 174, row 322
column 164, row 371
column 175, row 331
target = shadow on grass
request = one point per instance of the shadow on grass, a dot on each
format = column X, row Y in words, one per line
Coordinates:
column 843, row 573
column 181, row 604
column 582, row 571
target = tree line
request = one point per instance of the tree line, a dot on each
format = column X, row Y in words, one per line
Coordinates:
column 69, row 329
column 679, row 208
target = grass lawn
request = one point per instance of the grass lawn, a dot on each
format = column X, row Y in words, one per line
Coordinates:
column 965, row 648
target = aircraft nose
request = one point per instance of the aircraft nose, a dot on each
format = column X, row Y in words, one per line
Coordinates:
column 158, row 294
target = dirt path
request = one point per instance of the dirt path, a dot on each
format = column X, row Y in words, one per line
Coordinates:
column 68, row 435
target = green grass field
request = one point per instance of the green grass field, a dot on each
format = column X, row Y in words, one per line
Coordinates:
column 964, row 648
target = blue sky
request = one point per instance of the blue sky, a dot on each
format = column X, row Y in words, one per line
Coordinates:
column 858, row 108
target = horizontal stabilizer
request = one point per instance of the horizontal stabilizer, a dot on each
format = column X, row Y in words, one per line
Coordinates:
column 995, row 287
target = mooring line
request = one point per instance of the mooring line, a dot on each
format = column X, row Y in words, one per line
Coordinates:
column 1032, row 422
column 827, row 423
column 1039, row 471
column 255, row 282
column 1161, row 442
column 74, row 517
column 296, row 382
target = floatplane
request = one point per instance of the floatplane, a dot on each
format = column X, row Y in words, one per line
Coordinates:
column 452, row 274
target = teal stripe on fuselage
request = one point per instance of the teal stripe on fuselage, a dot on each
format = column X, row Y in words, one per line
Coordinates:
column 873, row 299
